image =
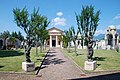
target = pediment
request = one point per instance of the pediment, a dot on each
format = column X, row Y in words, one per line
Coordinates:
column 54, row 30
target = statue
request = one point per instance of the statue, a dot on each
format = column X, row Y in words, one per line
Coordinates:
column 28, row 48
column 90, row 49
column 109, row 37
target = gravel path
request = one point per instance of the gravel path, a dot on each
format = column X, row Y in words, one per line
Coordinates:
column 58, row 67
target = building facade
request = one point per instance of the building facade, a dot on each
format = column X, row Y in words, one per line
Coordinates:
column 54, row 37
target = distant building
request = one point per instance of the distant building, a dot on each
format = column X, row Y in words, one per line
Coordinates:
column 54, row 39
column 8, row 44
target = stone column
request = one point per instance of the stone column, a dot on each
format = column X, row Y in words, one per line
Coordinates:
column 61, row 43
column 50, row 41
column 56, row 41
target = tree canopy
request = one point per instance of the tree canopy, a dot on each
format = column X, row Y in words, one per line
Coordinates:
column 87, row 21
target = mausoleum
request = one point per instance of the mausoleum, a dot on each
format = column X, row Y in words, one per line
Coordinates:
column 54, row 37
column 111, row 37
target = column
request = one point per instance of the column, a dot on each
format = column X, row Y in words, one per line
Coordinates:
column 56, row 41
column 50, row 41
column 61, row 43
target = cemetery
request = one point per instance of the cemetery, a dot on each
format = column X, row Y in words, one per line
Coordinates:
column 43, row 48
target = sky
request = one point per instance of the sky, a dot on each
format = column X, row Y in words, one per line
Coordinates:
column 61, row 13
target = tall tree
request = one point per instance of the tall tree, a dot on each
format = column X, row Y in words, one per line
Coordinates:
column 67, row 38
column 43, row 33
column 22, row 21
column 87, row 23
column 36, row 21
column 74, row 38
column 64, row 39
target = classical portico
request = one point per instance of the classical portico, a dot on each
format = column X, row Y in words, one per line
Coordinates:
column 54, row 37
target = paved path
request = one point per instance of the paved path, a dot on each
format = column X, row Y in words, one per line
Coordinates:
column 59, row 67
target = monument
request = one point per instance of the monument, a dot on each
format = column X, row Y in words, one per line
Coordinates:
column 111, row 38
column 90, row 64
column 28, row 65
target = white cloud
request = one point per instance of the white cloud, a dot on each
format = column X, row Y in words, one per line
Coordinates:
column 59, row 14
column 58, row 21
column 117, row 16
column 99, row 32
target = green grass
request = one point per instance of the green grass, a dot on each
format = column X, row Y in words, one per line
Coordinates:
column 106, row 59
column 11, row 60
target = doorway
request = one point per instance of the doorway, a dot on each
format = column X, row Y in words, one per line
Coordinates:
column 1, row 44
column 53, row 43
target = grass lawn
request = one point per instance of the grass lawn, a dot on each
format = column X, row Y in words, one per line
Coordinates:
column 11, row 60
column 106, row 59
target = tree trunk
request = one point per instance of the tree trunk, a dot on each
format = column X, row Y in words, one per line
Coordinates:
column 36, row 48
column 69, row 47
column 40, row 48
column 82, row 43
column 76, row 50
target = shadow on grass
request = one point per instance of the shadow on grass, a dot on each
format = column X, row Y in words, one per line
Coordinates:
column 1, row 66
column 10, row 53
column 112, row 76
column 99, row 58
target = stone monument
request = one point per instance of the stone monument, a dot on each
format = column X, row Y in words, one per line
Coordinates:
column 111, row 38
column 28, row 65
column 90, row 64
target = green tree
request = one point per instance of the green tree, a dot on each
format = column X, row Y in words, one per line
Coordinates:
column 74, row 38
column 87, row 23
column 20, row 36
column 64, row 39
column 22, row 21
column 43, row 33
column 67, row 38
column 5, row 34
column 14, row 34
column 36, row 21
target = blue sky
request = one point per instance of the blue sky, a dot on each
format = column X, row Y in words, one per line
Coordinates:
column 61, row 13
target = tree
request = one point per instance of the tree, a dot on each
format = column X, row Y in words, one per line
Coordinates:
column 39, row 24
column 22, row 21
column 36, row 21
column 87, row 23
column 64, row 39
column 74, row 38
column 14, row 34
column 67, row 38
column 20, row 36
column 43, row 33
column 5, row 34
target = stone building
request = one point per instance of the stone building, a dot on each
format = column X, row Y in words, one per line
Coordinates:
column 111, row 37
column 54, row 37
column 7, row 44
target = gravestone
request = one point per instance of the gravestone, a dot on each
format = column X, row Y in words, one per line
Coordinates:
column 108, row 47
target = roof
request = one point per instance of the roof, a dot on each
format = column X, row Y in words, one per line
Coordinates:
column 55, row 28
